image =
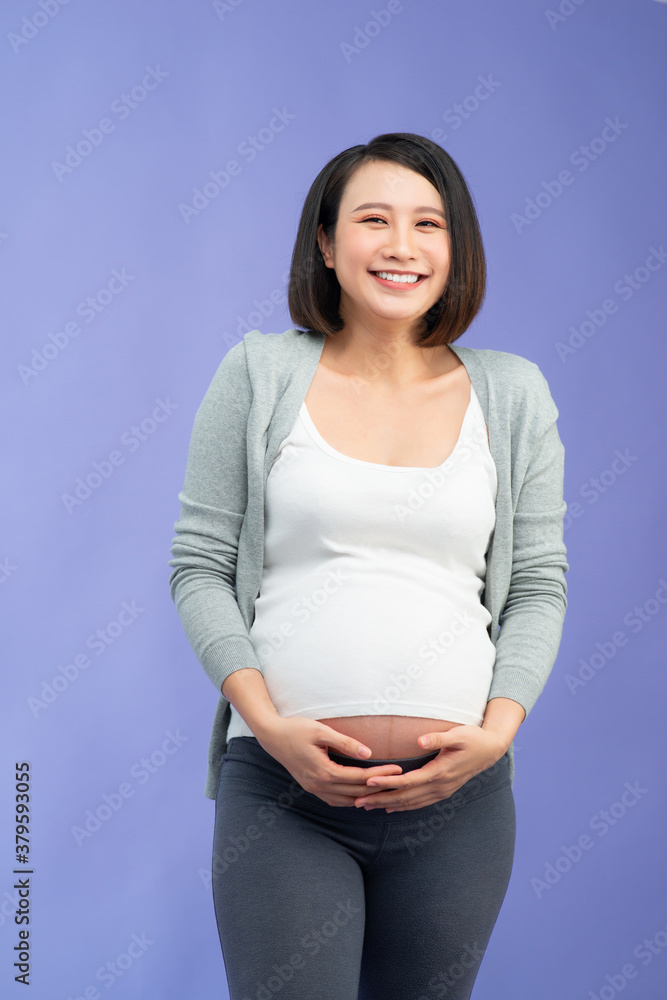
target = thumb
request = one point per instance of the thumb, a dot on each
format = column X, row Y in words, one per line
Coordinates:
column 342, row 744
column 438, row 741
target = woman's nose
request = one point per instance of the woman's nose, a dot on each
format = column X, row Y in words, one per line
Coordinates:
column 399, row 241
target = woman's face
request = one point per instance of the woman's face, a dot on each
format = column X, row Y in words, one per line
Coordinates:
column 391, row 219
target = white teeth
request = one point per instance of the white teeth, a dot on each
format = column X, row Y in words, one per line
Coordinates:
column 408, row 279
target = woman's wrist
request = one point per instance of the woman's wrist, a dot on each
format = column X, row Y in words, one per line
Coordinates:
column 246, row 690
column 502, row 718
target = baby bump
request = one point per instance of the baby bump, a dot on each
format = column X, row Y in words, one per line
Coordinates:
column 389, row 735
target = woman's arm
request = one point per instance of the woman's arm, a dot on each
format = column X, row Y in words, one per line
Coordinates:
column 531, row 623
column 213, row 505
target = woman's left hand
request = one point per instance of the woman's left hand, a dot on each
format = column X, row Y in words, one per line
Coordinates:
column 464, row 752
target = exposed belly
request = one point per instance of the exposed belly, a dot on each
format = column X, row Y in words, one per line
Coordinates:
column 389, row 735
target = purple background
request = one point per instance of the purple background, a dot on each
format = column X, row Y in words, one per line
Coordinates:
column 220, row 72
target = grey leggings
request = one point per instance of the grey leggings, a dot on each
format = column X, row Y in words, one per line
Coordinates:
column 320, row 902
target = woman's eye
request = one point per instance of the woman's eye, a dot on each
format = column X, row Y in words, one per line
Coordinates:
column 376, row 218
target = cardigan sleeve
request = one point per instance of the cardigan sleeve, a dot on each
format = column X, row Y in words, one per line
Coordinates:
column 531, row 621
column 213, row 504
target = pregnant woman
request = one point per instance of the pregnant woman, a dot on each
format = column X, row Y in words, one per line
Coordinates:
column 369, row 564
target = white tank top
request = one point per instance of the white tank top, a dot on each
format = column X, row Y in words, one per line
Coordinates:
column 370, row 596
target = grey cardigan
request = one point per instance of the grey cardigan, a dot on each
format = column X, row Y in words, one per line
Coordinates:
column 251, row 406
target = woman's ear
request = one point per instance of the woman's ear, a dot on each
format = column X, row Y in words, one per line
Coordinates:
column 324, row 246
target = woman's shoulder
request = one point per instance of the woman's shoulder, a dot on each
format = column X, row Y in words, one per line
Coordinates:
column 499, row 362
column 515, row 379
column 291, row 339
column 276, row 351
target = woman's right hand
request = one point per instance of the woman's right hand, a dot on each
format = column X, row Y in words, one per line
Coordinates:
column 300, row 745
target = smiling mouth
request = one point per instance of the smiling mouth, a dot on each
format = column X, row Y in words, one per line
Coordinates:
column 399, row 278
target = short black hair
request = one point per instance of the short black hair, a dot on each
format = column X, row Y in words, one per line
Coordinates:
column 314, row 291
